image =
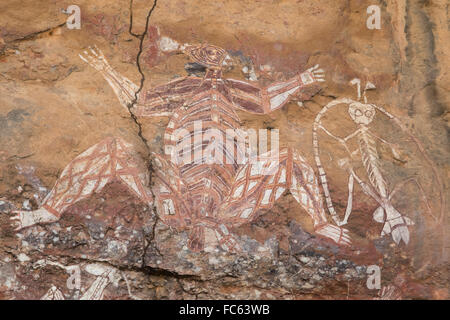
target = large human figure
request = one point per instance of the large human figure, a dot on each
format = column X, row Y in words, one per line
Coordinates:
column 204, row 197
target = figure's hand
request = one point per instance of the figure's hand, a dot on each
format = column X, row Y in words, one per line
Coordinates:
column 312, row 75
column 337, row 234
column 95, row 59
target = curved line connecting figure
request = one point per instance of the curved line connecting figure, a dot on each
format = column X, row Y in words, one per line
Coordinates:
column 204, row 197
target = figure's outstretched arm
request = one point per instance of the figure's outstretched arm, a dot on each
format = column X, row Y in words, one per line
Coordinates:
column 159, row 101
column 274, row 96
column 122, row 86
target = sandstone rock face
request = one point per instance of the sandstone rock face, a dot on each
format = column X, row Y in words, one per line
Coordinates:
column 120, row 221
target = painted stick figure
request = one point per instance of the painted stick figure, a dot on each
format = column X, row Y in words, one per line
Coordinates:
column 362, row 115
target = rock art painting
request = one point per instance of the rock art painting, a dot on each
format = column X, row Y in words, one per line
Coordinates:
column 223, row 150
column 204, row 196
column 105, row 276
column 362, row 114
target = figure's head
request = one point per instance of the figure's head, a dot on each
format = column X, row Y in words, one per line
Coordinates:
column 361, row 113
column 210, row 56
column 207, row 55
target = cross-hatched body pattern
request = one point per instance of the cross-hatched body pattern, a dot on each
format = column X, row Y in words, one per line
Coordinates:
column 199, row 195
column 260, row 183
column 93, row 169
column 112, row 159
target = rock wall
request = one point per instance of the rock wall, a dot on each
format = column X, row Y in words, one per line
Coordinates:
column 122, row 240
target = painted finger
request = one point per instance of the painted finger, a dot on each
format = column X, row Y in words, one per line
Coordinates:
column 86, row 54
column 83, row 58
column 93, row 52
column 100, row 52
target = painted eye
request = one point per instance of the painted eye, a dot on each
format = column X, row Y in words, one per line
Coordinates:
column 368, row 114
column 358, row 113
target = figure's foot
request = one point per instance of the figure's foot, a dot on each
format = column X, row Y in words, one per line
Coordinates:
column 335, row 233
column 23, row 219
column 224, row 238
column 398, row 228
column 400, row 233
column 227, row 241
column 196, row 240
column 394, row 223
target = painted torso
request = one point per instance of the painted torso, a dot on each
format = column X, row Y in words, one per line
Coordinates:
column 195, row 124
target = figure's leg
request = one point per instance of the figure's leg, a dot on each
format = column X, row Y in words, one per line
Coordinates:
column 174, row 208
column 305, row 189
column 257, row 185
column 394, row 222
column 260, row 183
column 171, row 194
column 88, row 173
